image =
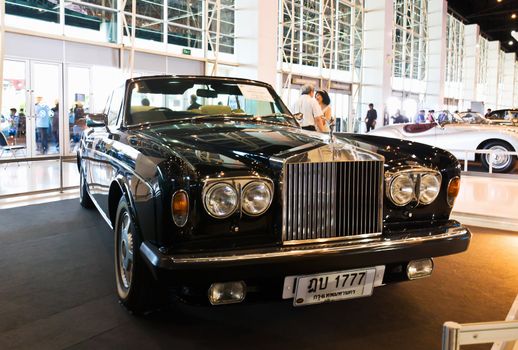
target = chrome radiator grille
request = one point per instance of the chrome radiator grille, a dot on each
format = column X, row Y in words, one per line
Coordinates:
column 334, row 200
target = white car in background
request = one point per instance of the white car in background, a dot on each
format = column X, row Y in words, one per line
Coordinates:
column 460, row 133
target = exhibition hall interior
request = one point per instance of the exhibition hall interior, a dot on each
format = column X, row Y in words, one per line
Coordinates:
column 263, row 174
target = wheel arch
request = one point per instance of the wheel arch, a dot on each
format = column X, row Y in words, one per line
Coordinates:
column 488, row 141
column 119, row 188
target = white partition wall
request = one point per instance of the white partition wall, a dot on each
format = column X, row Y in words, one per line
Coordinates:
column 377, row 55
column 470, row 67
column 437, row 20
column 256, row 39
column 493, row 74
column 505, row 97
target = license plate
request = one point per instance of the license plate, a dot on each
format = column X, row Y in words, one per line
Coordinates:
column 334, row 286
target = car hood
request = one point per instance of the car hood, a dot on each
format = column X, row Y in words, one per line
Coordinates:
column 209, row 149
column 229, row 145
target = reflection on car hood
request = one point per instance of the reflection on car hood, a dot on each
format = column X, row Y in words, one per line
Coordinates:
column 231, row 144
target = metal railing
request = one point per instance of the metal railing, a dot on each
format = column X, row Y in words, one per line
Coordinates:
column 481, row 151
column 502, row 334
column 455, row 335
column 61, row 188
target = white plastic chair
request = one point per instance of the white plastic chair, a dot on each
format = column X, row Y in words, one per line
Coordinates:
column 4, row 147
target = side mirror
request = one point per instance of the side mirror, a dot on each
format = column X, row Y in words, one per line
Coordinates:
column 96, row 120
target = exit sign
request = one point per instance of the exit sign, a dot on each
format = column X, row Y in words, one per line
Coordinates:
column 186, row 51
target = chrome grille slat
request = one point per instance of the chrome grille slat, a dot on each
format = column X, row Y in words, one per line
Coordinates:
column 332, row 200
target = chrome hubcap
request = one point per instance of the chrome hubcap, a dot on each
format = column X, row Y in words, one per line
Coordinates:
column 125, row 255
column 498, row 159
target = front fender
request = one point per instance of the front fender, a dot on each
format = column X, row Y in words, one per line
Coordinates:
column 141, row 201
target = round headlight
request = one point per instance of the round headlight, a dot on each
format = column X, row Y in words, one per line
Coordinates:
column 221, row 200
column 402, row 190
column 256, row 198
column 429, row 188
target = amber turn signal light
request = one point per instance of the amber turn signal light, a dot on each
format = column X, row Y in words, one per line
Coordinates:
column 453, row 190
column 180, row 208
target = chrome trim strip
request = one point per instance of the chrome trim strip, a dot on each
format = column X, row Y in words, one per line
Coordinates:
column 331, row 239
column 453, row 232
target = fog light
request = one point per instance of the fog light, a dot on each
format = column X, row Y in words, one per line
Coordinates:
column 419, row 268
column 227, row 293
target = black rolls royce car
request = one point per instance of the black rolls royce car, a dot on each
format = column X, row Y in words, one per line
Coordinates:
column 215, row 193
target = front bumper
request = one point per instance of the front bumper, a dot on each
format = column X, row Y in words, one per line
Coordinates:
column 277, row 262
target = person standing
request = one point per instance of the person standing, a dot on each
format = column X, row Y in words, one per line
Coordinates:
column 312, row 116
column 399, row 118
column 370, row 120
column 42, row 113
column 55, row 123
column 421, row 117
column 194, row 103
column 324, row 101
column 14, row 121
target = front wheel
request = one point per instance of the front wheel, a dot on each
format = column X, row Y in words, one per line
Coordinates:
column 135, row 286
column 500, row 162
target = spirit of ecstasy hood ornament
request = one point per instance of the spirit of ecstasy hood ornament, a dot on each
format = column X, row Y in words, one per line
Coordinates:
column 331, row 126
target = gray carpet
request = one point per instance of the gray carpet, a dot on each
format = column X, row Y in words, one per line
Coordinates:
column 57, row 291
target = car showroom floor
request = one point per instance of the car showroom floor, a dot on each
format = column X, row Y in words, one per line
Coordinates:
column 57, row 291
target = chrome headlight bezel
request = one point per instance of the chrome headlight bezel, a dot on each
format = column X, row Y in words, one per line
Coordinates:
column 415, row 175
column 248, row 187
column 211, row 190
column 239, row 185
column 434, row 177
column 391, row 189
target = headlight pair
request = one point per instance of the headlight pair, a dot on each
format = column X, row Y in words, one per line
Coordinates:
column 420, row 186
column 222, row 199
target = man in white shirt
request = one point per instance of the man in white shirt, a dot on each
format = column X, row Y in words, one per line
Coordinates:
column 312, row 116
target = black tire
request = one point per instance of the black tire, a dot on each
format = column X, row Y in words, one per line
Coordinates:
column 501, row 164
column 136, row 288
column 84, row 197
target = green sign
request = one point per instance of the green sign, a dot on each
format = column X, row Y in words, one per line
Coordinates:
column 186, row 51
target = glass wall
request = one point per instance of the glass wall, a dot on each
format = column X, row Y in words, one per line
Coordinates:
column 13, row 121
column 410, row 39
column 92, row 20
column 455, row 49
column 322, row 33
column 226, row 22
column 185, row 23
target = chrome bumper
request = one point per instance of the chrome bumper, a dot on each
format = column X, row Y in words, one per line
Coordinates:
column 435, row 241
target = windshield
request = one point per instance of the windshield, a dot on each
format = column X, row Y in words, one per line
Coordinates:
column 171, row 99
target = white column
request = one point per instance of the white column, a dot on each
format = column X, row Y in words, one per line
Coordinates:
column 256, row 26
column 506, row 94
column 377, row 57
column 515, row 92
column 470, row 68
column 436, row 62
column 491, row 100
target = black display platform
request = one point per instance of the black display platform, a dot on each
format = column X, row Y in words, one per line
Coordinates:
column 57, row 292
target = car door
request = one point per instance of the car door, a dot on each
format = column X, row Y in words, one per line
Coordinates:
column 458, row 137
column 103, row 167
column 423, row 133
